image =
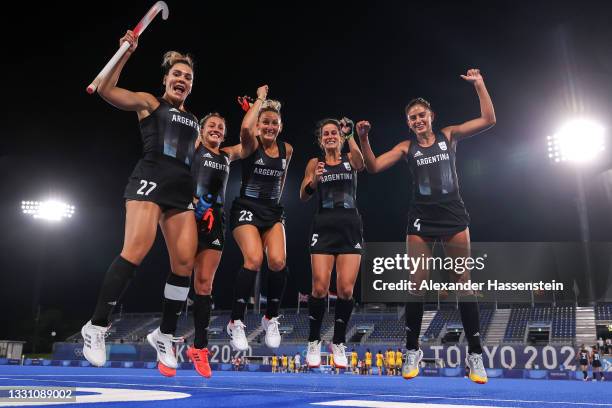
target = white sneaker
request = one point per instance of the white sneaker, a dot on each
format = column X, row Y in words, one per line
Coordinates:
column 238, row 339
column 94, row 348
column 339, row 351
column 412, row 360
column 478, row 374
column 313, row 356
column 270, row 326
column 162, row 343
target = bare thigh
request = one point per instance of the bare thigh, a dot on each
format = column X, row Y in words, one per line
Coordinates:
column 275, row 247
column 250, row 244
column 179, row 229
column 206, row 264
column 347, row 269
column 141, row 218
column 322, row 266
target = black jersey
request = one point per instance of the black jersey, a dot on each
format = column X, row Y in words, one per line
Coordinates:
column 262, row 175
column 338, row 185
column 170, row 132
column 210, row 173
column 434, row 177
column 596, row 356
column 584, row 355
column 436, row 209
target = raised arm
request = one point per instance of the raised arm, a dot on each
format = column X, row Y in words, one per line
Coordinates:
column 312, row 175
column 377, row 164
column 121, row 98
column 248, row 136
column 487, row 113
column 355, row 156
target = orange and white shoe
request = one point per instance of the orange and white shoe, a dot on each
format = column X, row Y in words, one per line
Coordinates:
column 199, row 358
column 412, row 362
column 166, row 352
column 339, row 352
column 313, row 356
column 478, row 374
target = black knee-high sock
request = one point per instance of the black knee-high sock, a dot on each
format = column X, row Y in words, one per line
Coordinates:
column 245, row 280
column 470, row 317
column 344, row 308
column 316, row 311
column 413, row 314
column 276, row 288
column 175, row 294
column 117, row 279
column 584, row 373
column 201, row 319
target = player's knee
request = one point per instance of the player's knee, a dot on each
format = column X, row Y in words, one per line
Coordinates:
column 276, row 263
column 319, row 291
column 465, row 293
column 416, row 293
column 134, row 254
column 202, row 286
column 135, row 248
column 345, row 293
column 253, row 261
column 182, row 266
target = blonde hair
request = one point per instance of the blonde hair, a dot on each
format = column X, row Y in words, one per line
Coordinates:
column 174, row 57
column 270, row 105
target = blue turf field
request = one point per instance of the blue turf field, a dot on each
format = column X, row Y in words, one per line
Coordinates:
column 246, row 389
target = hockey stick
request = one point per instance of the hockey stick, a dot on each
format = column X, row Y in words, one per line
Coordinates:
column 140, row 27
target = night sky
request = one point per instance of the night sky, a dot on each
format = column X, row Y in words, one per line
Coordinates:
column 543, row 63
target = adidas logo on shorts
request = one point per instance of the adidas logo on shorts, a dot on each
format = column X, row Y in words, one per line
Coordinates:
column 216, row 242
column 208, row 155
column 260, row 162
column 190, row 206
column 357, row 246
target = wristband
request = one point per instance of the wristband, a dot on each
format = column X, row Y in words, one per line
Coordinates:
column 309, row 190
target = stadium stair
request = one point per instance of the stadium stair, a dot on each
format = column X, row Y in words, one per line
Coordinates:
column 586, row 332
column 428, row 316
column 497, row 329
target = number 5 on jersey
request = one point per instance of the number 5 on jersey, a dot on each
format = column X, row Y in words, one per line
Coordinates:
column 146, row 187
column 315, row 238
